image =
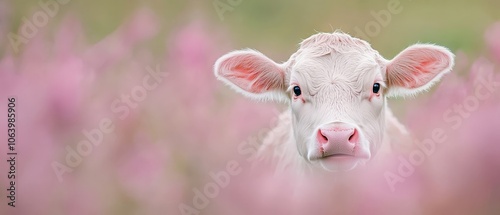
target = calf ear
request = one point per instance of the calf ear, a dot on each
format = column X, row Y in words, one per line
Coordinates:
column 417, row 68
column 252, row 74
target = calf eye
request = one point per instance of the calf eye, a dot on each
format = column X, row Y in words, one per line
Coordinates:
column 376, row 88
column 296, row 90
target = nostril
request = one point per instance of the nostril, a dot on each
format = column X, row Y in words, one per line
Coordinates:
column 322, row 139
column 354, row 136
column 325, row 138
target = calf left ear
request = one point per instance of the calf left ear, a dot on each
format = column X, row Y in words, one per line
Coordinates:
column 417, row 68
column 252, row 74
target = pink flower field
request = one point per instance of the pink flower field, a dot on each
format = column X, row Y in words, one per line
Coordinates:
column 116, row 125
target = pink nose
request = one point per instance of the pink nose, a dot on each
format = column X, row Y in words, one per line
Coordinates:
column 337, row 139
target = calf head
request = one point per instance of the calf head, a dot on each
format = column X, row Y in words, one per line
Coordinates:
column 336, row 86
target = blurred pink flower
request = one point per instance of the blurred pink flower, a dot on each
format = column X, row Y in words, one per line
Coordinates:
column 491, row 36
column 118, row 46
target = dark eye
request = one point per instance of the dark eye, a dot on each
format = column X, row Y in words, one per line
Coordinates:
column 296, row 90
column 376, row 88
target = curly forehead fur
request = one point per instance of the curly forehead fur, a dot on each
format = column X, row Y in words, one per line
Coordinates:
column 326, row 57
column 337, row 41
column 322, row 44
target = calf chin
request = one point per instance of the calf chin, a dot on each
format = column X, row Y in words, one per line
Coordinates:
column 341, row 163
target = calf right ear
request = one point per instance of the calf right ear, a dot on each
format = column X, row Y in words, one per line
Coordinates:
column 417, row 68
column 252, row 74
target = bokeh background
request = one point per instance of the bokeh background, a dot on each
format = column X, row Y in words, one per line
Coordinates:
column 68, row 76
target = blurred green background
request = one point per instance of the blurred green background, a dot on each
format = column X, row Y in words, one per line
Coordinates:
column 275, row 27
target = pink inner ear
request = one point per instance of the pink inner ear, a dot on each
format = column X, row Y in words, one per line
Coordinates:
column 243, row 71
column 424, row 66
column 423, row 72
column 253, row 73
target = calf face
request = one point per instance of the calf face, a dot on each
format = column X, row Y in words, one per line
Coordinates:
column 336, row 86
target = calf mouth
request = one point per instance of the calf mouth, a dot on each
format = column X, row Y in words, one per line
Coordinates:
column 336, row 156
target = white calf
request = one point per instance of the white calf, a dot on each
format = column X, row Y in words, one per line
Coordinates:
column 336, row 87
